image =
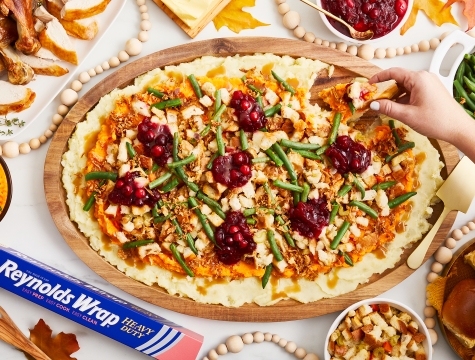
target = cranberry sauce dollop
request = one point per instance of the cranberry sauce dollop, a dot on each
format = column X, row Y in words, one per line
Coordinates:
column 234, row 238
column 250, row 114
column 348, row 156
column 129, row 192
column 232, row 170
column 157, row 140
column 310, row 218
column 381, row 16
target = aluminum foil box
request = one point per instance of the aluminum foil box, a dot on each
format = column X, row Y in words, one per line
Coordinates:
column 96, row 309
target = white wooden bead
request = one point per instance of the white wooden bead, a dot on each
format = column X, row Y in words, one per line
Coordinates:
column 341, row 46
column 291, row 20
column 145, row 25
column 205, row 358
column 318, row 41
column 57, row 119
column 300, row 353
column 332, row 45
column 311, row 356
column 275, row 338
column 34, row 144
column 213, row 355
column 10, row 149
column 1, row 151
column 415, row 47
column 123, row 56
column 451, row 243
column 352, row 50
column 48, row 133
column 430, row 322
column 98, row 69
column 133, row 47
column 309, row 37
column 471, row 225
column 234, row 344
column 390, row 52
column 424, row 45
column 268, row 337
column 434, row 43
column 84, row 77
column 399, row 51
column 299, row 32
column 431, row 277
column 53, row 127
column 282, row 342
column 457, row 234
column 444, row 35
column 76, row 85
column 258, row 337
column 290, row 347
column 105, row 65
column 433, row 336
column 407, row 50
column 145, row 16
column 91, row 72
column 380, row 53
column 283, row 8
column 143, row 36
column 428, row 303
column 69, row 97
column 278, row 2
column 429, row 311
column 43, row 139
column 143, row 8
column 62, row 110
column 140, row 2
column 24, row 148
column 222, row 349
column 465, row 230
column 443, row 255
column 366, row 52
column 247, row 338
column 437, row 267
column 326, row 43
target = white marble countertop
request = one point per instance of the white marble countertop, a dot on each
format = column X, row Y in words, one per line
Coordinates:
column 28, row 226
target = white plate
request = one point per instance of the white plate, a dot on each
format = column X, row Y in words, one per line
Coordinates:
column 47, row 87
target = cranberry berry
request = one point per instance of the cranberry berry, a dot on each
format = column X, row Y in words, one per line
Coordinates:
column 250, row 114
column 232, row 170
column 310, row 218
column 128, row 192
column 157, row 140
column 234, row 238
column 348, row 156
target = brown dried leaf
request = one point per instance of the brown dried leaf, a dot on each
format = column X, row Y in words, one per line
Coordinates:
column 468, row 10
column 434, row 9
column 235, row 18
column 59, row 347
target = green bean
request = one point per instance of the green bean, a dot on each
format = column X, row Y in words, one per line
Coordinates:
column 472, row 96
column 170, row 185
column 298, row 145
column 182, row 176
column 269, row 192
column 384, row 185
column 134, row 244
column 156, row 93
column 155, row 167
column 252, row 211
column 322, row 149
column 185, row 161
column 263, row 129
column 210, row 164
column 259, row 101
column 217, row 115
column 274, row 157
column 203, row 219
column 176, row 143
column 470, row 58
column 395, row 134
column 250, row 221
column 159, row 219
column 335, row 208
column 287, row 236
column 206, row 130
column 296, row 195
column 191, row 243
column 180, row 260
column 253, row 88
column 287, row 186
column 130, row 150
column 400, row 199
column 155, row 211
column 243, row 138
column 469, row 83
column 273, row 246
column 460, row 72
column 463, row 93
column 283, row 82
column 308, row 154
column 365, row 208
column 359, row 186
column 195, row 85
column 214, row 205
column 335, row 126
column 339, row 235
column 260, row 160
column 272, row 111
column 306, row 190
column 346, row 257
column 352, row 107
column 167, row 103
column 288, row 165
column 220, row 141
column 178, row 228
column 266, row 277
column 471, row 113
column 402, row 148
column 90, row 201
column 345, row 189
column 217, row 100
column 94, row 175
column 160, row 180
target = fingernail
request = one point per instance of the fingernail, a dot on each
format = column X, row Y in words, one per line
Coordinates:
column 374, row 106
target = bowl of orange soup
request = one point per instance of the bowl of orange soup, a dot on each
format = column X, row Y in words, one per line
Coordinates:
column 5, row 188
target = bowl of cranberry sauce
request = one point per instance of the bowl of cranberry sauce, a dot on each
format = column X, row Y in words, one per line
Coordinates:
column 381, row 16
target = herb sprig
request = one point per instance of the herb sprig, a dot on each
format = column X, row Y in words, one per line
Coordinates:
column 9, row 123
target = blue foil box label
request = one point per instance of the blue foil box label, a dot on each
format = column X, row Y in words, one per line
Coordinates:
column 96, row 309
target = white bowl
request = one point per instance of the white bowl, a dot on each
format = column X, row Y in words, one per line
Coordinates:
column 410, row 3
column 422, row 328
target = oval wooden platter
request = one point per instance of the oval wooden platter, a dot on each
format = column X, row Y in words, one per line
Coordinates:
column 346, row 68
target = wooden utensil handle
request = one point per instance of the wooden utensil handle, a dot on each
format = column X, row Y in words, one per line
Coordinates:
column 415, row 259
column 12, row 335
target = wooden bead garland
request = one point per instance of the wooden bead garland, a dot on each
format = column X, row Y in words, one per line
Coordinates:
column 69, row 97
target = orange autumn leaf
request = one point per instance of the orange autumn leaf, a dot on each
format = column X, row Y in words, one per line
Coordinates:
column 235, row 18
column 434, row 9
column 59, row 347
column 468, row 10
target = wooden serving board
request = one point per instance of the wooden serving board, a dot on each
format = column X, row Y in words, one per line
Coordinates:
column 346, row 68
